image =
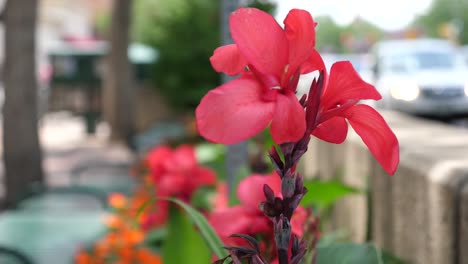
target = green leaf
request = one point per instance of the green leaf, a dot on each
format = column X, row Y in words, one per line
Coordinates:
column 349, row 254
column 201, row 198
column 155, row 238
column 213, row 156
column 183, row 243
column 208, row 152
column 143, row 207
column 325, row 193
column 209, row 235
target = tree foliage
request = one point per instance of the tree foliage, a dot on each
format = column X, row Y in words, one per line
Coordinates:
column 185, row 33
column 445, row 12
column 358, row 36
column 328, row 34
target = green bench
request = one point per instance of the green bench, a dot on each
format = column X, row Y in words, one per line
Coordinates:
column 47, row 237
column 49, row 223
column 47, row 226
column 65, row 198
column 12, row 256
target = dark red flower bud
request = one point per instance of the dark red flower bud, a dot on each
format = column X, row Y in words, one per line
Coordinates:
column 269, row 194
column 288, row 185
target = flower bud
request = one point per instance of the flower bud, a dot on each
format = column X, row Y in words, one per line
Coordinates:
column 282, row 233
column 269, row 194
column 288, row 185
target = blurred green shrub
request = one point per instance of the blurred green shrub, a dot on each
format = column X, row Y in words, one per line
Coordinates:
column 185, row 33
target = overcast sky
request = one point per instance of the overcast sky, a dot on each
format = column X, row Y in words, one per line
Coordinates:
column 387, row 14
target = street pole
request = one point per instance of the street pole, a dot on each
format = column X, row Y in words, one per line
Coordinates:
column 237, row 155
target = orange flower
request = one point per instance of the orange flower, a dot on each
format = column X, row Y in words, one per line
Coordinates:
column 148, row 257
column 113, row 222
column 117, row 200
column 134, row 236
column 83, row 258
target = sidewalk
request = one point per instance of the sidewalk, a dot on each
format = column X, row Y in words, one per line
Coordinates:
column 65, row 146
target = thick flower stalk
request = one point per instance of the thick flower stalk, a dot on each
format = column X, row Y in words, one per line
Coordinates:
column 269, row 61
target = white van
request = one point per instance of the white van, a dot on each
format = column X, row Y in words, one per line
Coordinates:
column 464, row 51
column 421, row 76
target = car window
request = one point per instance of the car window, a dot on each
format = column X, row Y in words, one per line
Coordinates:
column 397, row 63
column 434, row 60
column 422, row 60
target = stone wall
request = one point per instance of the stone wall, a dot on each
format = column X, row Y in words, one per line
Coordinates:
column 421, row 213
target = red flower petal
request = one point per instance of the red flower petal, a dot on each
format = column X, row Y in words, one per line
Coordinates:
column 182, row 158
column 246, row 221
column 260, row 39
column 334, row 130
column 222, row 221
column 202, row 176
column 155, row 217
column 173, row 184
column 288, row 123
column 297, row 221
column 156, row 159
column 376, row 134
column 250, row 189
column 228, row 59
column 345, row 84
column 300, row 32
column 234, row 111
column 259, row 224
column 313, row 63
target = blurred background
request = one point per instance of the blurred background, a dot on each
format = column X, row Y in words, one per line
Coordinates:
column 89, row 87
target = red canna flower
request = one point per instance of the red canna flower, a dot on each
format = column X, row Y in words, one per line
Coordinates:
column 248, row 217
column 177, row 173
column 270, row 61
column 173, row 173
column 334, row 99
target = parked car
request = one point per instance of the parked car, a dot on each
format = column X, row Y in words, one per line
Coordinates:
column 421, row 76
column 464, row 51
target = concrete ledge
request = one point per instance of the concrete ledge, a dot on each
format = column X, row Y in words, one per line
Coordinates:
column 419, row 213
